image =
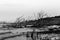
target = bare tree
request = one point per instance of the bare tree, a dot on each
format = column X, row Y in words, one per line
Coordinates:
column 42, row 14
column 19, row 20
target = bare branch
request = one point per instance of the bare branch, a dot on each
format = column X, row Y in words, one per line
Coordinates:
column 20, row 19
column 42, row 14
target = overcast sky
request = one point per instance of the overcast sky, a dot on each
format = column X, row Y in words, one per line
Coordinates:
column 12, row 9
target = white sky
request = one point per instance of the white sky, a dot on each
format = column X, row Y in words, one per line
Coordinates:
column 11, row 9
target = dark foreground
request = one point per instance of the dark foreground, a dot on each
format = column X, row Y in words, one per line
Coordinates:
column 30, row 35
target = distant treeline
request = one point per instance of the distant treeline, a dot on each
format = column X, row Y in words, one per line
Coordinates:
column 48, row 21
